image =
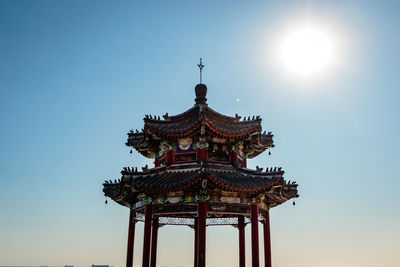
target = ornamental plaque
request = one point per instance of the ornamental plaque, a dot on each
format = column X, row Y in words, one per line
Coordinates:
column 185, row 143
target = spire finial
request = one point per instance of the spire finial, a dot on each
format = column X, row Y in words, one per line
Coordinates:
column 201, row 66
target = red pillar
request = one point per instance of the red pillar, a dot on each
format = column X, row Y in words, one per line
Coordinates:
column 147, row 235
column 131, row 238
column 242, row 252
column 255, row 258
column 202, row 154
column 267, row 241
column 202, row 234
column 196, row 241
column 154, row 236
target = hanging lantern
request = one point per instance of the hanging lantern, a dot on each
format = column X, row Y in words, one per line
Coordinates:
column 106, row 201
column 294, row 203
column 130, row 151
column 269, row 153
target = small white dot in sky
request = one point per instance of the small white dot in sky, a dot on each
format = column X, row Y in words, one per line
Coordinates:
column 237, row 100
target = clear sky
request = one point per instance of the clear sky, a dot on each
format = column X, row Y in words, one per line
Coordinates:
column 76, row 76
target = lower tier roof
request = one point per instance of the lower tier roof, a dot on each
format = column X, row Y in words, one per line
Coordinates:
column 206, row 177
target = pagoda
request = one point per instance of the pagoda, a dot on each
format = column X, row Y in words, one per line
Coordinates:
column 200, row 178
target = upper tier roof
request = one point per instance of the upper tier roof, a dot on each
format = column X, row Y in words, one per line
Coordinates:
column 200, row 121
column 193, row 118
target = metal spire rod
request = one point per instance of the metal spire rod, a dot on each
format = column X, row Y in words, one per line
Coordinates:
column 201, row 66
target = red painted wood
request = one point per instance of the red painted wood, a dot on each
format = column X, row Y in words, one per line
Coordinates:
column 233, row 157
column 154, row 237
column 131, row 239
column 169, row 158
column 202, row 154
column 147, row 235
column 196, row 241
column 267, row 241
column 202, row 234
column 162, row 158
column 175, row 153
column 255, row 257
column 242, row 251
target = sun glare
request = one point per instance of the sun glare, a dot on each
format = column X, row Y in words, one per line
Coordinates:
column 306, row 51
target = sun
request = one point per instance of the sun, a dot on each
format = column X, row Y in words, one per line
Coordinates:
column 306, row 51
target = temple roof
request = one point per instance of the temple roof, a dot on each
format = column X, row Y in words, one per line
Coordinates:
column 192, row 119
column 200, row 121
column 200, row 155
column 190, row 177
column 259, row 142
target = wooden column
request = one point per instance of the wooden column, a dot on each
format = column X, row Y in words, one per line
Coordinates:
column 154, row 236
column 131, row 238
column 255, row 258
column 202, row 234
column 196, row 241
column 267, row 241
column 202, row 154
column 242, row 252
column 147, row 235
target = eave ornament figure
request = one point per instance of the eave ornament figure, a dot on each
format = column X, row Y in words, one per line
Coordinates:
column 200, row 178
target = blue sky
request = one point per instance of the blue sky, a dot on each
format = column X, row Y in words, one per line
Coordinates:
column 76, row 76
